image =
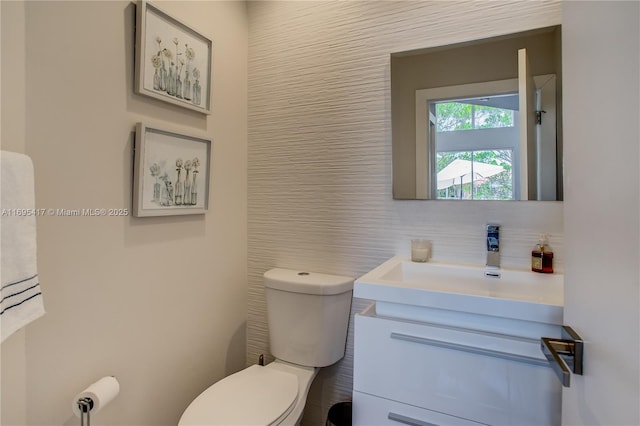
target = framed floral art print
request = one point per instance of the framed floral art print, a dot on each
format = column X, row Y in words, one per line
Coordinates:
column 171, row 173
column 173, row 61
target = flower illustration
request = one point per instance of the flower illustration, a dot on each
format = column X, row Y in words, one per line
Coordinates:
column 167, row 53
column 195, row 164
column 189, row 53
column 187, row 165
column 155, row 169
column 159, row 54
column 167, row 197
column 181, row 65
column 156, row 61
column 196, row 73
column 179, row 163
column 175, row 41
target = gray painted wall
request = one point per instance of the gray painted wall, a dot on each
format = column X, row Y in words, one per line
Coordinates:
column 158, row 302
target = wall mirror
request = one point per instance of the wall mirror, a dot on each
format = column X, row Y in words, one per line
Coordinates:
column 479, row 120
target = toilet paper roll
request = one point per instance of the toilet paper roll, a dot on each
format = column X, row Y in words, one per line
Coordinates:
column 101, row 393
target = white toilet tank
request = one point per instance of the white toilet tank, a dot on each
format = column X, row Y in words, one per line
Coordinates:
column 308, row 315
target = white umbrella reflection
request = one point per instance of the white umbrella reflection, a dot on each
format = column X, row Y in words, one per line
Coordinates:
column 463, row 171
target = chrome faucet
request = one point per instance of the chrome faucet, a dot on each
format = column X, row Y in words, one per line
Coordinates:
column 493, row 246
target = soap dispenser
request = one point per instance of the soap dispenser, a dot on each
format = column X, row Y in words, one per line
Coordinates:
column 542, row 256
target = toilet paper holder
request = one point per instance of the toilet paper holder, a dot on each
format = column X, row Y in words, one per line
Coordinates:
column 94, row 398
column 85, row 405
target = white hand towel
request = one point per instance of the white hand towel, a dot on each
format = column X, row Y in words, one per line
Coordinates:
column 20, row 299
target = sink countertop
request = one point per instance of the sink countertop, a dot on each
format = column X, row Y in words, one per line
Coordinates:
column 516, row 294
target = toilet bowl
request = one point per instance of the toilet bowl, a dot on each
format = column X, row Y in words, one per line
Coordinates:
column 274, row 394
column 308, row 316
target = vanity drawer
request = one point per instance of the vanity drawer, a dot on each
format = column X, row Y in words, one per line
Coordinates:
column 371, row 410
column 489, row 378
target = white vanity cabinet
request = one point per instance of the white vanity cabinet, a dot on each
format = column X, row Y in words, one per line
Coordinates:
column 424, row 373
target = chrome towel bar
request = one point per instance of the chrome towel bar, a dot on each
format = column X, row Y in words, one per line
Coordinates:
column 565, row 355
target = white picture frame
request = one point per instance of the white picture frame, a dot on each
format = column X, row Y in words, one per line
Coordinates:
column 172, row 61
column 171, row 173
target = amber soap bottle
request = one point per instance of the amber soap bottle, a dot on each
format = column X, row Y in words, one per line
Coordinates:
column 542, row 256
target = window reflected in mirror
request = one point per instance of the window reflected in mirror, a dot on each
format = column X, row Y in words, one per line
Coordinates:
column 479, row 120
column 466, row 170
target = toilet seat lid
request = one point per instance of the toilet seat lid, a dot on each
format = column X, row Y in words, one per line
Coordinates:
column 254, row 396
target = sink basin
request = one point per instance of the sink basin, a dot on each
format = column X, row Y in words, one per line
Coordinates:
column 507, row 293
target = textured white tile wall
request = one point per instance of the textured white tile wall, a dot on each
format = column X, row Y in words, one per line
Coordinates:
column 319, row 194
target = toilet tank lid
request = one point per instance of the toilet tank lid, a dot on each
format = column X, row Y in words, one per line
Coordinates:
column 306, row 282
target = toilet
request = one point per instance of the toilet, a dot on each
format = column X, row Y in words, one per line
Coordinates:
column 308, row 316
